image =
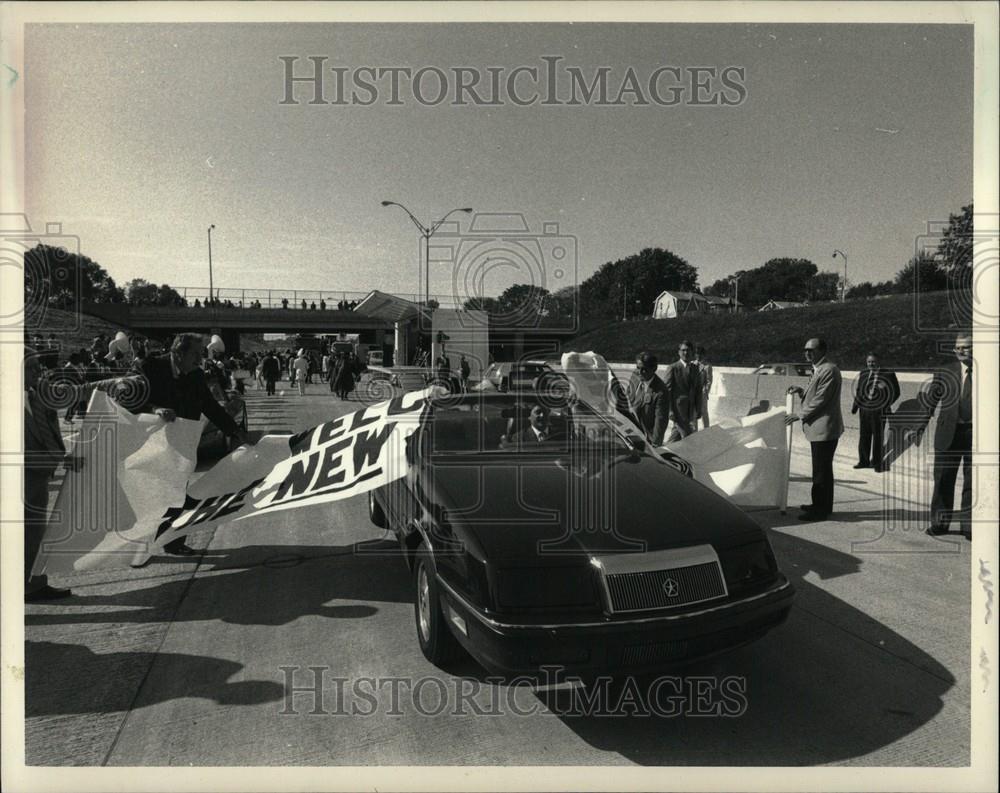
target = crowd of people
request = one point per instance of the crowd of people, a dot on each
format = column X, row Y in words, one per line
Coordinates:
column 214, row 302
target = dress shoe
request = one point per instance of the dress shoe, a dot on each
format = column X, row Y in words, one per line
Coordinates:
column 936, row 531
column 806, row 507
column 181, row 550
column 46, row 593
column 862, row 465
column 813, row 516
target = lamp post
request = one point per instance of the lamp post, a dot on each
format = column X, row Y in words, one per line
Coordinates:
column 625, row 303
column 735, row 281
column 426, row 232
column 211, row 292
column 843, row 287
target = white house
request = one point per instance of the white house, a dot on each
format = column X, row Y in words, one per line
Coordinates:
column 775, row 305
column 672, row 304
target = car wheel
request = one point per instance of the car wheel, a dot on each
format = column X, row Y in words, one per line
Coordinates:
column 437, row 642
column 375, row 512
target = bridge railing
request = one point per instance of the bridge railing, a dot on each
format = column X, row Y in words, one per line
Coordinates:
column 309, row 299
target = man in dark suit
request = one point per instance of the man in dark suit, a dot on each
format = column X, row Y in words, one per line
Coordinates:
column 270, row 371
column 683, row 382
column 177, row 388
column 648, row 399
column 822, row 424
column 951, row 390
column 874, row 395
column 539, row 430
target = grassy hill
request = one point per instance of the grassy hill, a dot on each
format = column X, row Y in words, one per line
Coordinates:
column 73, row 330
column 904, row 331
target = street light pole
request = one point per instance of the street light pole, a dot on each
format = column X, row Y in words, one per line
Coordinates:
column 736, row 283
column 426, row 232
column 211, row 292
column 843, row 287
column 625, row 304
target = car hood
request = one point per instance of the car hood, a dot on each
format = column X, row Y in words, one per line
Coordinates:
column 544, row 511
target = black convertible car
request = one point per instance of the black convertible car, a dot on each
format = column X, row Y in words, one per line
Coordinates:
column 575, row 548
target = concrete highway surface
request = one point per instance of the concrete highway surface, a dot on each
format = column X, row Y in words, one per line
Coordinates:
column 291, row 641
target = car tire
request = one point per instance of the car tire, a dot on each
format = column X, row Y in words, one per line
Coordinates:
column 437, row 642
column 375, row 512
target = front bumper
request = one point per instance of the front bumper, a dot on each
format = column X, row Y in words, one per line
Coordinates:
column 621, row 644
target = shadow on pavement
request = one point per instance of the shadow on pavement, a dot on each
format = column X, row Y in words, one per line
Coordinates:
column 99, row 682
column 830, row 685
column 255, row 585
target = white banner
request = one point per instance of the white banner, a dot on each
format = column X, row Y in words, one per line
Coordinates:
column 744, row 460
column 134, row 468
column 142, row 465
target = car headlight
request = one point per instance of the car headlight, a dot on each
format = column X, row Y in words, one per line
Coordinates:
column 546, row 587
column 748, row 565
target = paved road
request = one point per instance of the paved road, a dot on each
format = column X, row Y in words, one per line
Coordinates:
column 187, row 663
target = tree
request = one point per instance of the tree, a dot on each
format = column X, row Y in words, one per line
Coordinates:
column 487, row 304
column 866, row 289
column 57, row 277
column 141, row 292
column 643, row 275
column 780, row 279
column 824, row 286
column 955, row 248
column 168, row 296
column 922, row 273
column 521, row 304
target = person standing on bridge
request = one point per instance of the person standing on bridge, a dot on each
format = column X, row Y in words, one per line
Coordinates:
column 301, row 369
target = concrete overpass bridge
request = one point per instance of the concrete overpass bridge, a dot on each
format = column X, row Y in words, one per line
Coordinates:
column 229, row 323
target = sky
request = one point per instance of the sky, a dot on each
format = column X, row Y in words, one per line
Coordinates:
column 138, row 137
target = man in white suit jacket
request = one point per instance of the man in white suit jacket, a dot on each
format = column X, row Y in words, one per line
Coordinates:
column 822, row 424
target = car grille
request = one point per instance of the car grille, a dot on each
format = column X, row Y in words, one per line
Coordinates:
column 636, row 591
column 663, row 579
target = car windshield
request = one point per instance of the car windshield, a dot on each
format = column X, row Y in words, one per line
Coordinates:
column 505, row 426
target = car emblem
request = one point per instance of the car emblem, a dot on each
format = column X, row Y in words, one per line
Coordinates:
column 670, row 588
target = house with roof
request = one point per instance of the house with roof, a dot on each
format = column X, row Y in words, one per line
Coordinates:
column 776, row 305
column 670, row 304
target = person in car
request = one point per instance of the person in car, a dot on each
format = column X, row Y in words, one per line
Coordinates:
column 539, row 429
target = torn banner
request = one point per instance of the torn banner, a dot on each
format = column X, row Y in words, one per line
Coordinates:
column 744, row 460
column 335, row 460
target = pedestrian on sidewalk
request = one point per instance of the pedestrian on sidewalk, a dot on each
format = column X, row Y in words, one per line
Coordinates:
column 466, row 371
column 951, row 391
column 822, row 424
column 342, row 381
column 301, row 367
column 874, row 395
column 270, row 371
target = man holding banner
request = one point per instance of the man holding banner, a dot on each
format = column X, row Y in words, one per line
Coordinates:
column 822, row 424
column 177, row 389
